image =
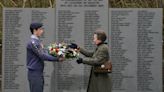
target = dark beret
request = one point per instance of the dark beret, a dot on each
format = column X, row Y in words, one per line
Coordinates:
column 36, row 25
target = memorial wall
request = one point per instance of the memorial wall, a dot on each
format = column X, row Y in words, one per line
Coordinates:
column 134, row 38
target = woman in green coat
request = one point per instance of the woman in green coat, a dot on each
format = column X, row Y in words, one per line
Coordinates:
column 98, row 82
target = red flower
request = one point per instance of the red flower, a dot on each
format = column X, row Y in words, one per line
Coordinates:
column 57, row 50
column 51, row 49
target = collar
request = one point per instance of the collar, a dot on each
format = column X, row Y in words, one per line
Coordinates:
column 34, row 37
column 101, row 43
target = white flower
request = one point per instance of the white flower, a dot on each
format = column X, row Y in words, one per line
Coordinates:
column 74, row 53
column 60, row 53
column 54, row 50
column 60, row 45
column 49, row 48
column 62, row 49
column 102, row 66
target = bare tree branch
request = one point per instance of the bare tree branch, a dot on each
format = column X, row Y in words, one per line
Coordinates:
column 30, row 3
column 53, row 5
column 24, row 3
column 50, row 2
column 13, row 3
column 1, row 4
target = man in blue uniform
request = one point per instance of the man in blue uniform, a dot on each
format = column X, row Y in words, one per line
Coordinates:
column 36, row 56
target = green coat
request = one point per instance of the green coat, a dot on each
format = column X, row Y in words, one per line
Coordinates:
column 97, row 82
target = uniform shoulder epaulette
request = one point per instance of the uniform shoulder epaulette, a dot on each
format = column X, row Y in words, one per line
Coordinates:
column 34, row 44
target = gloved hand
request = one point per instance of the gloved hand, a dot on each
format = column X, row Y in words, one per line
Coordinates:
column 73, row 46
column 79, row 60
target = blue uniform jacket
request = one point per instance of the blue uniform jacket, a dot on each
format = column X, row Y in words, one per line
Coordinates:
column 36, row 55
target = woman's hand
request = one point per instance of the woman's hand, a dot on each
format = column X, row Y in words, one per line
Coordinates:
column 79, row 60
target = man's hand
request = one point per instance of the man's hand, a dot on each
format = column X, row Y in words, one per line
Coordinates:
column 61, row 58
